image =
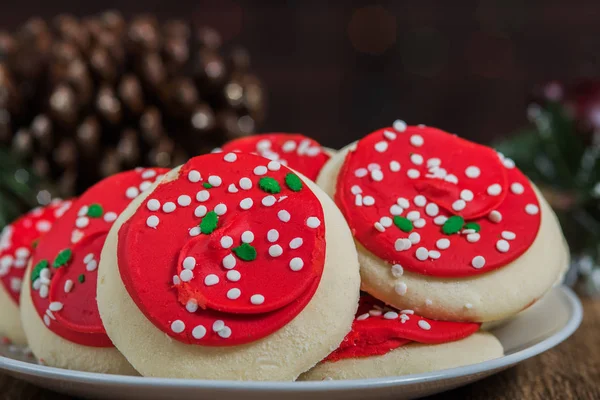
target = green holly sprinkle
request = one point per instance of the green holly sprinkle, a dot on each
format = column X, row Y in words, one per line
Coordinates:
column 81, row 278
column 35, row 243
column 453, row 225
column 63, row 258
column 35, row 274
column 245, row 252
column 404, row 224
column 473, row 225
column 293, row 182
column 95, row 211
column 207, row 185
column 269, row 185
column 209, row 223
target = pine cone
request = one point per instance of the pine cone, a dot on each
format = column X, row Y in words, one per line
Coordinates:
column 83, row 99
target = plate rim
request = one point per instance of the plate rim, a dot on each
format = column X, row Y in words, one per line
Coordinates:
column 11, row 365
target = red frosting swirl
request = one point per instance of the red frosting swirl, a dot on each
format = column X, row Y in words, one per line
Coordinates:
column 379, row 329
column 435, row 203
column 64, row 266
column 294, row 150
column 19, row 239
column 227, row 253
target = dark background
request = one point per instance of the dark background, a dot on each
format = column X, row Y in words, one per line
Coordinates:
column 337, row 70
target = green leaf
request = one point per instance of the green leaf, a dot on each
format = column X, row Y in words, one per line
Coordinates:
column 207, row 185
column 404, row 224
column 81, row 278
column 35, row 274
column 35, row 243
column 63, row 258
column 293, row 182
column 209, row 223
column 453, row 225
column 472, row 225
column 245, row 252
column 269, row 185
column 95, row 211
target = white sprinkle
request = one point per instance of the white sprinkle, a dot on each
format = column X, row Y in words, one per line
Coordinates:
column 232, row 188
column 386, row 222
column 468, row 306
column 47, row 320
column 55, row 306
column 442, row 244
column 400, row 288
column 257, row 299
column 296, row 243
column 495, row 216
column 432, row 209
column 361, row 172
column 44, row 291
column 532, row 209
column 211, row 280
column 494, row 190
column 268, row 201
column 420, row 200
column 233, row 275
column 419, row 223
column 517, row 188
column 247, row 237
column 275, row 250
column 186, row 275
column 145, row 186
column 199, row 332
column 424, row 325
column 83, row 211
column 202, row 195
column 176, row 280
column 260, row 170
column 459, row 205
column 200, row 211
column 169, row 207
column 417, row 140
column 399, row 125
column 189, row 263
column 313, row 222
column 218, row 325
column 220, row 209
column 422, row 254
column 433, row 162
column 414, row 238
column 394, row 166
column 375, row 313
column 434, row 254
column 89, row 257
column 152, row 221
column 147, row 174
column 466, row 195
column 288, row 146
column 225, row 332
column 368, row 200
column 263, row 145
column 411, row 312
column 195, row 231
column 215, row 180
column 381, row 146
column 413, row 215
column 274, row 166
column 110, row 216
column 68, row 286
column 230, row 157
column 194, row 176
column 355, row 189
column 373, row 166
column 478, row 262
column 229, row 261
column 402, row 244
column 43, row 226
column 413, row 173
column 473, row 237
column 396, row 210
column 178, row 326
column 362, row 317
column 390, row 315
column 502, row 245
column 508, row 235
column 402, row 202
column 82, row 222
column 416, row 159
column 397, row 270
column 246, row 183
column 358, row 200
column 91, row 266
column 508, row 163
column 389, row 135
column 272, row 235
column 246, row 203
column 191, row 306
column 379, row 227
column 234, row 294
column 132, row 192
column 153, row 205
column 451, row 178
column 184, row 200
column 428, row 302
column 284, row 216
column 472, row 172
column 296, row 264
column 377, row 175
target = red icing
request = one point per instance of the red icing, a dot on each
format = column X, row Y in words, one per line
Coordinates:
column 441, row 185
column 379, row 333
column 294, row 150
column 17, row 242
column 78, row 320
column 151, row 259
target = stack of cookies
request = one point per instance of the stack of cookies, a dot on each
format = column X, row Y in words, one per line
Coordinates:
column 238, row 266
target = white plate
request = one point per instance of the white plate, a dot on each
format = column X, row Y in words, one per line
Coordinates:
column 543, row 326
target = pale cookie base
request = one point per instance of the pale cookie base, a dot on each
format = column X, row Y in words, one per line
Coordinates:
column 10, row 319
column 54, row 351
column 413, row 358
column 494, row 295
column 283, row 355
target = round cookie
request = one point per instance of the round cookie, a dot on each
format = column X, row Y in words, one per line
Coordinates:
column 388, row 342
column 443, row 226
column 17, row 241
column 58, row 303
column 297, row 151
column 255, row 278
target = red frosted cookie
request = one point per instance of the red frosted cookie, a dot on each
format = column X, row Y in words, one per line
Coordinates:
column 59, row 302
column 386, row 341
column 294, row 150
column 429, row 208
column 230, row 249
column 17, row 242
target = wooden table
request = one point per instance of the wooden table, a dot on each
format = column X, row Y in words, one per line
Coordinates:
column 569, row 371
